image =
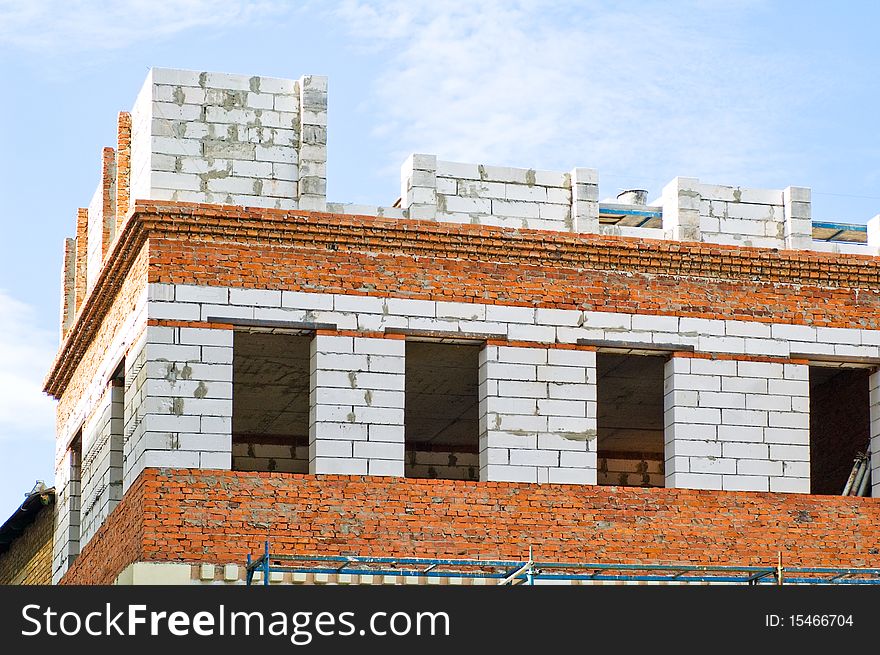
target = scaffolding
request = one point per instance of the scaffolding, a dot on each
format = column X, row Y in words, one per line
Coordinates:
column 530, row 572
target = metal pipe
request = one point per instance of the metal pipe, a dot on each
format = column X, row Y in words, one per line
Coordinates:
column 860, row 473
column 866, row 478
column 266, row 565
column 850, row 479
column 513, row 576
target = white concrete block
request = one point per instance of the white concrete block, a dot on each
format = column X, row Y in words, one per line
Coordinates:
column 174, row 311
column 556, row 373
column 709, row 416
column 608, row 320
column 502, row 473
column 655, row 323
column 722, row 400
column 741, row 433
column 259, row 297
column 687, row 448
column 575, row 408
column 755, row 451
column 745, row 483
column 693, row 481
column 221, row 461
column 779, row 419
column 539, row 333
column 411, row 307
column 712, row 465
column 788, row 387
column 510, row 314
column 471, row 311
column 572, row 391
column 790, row 453
column 329, row 344
column 766, row 402
column 790, row 485
column 522, row 389
column 796, row 469
column 576, row 475
column 565, row 317
column 517, row 355
column 206, row 337
column 338, row 466
column 371, row 346
column 758, row 467
column 748, row 329
column 793, row 436
column 743, row 417
column 839, row 335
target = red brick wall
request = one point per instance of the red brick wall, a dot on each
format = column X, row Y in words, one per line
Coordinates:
column 108, row 192
column 82, row 254
column 221, row 516
column 123, row 166
column 118, row 542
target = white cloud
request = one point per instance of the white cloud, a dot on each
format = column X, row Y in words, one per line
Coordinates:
column 88, row 25
column 654, row 91
column 26, row 352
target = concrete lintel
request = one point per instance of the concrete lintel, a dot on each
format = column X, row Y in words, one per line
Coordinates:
column 634, row 348
column 259, row 325
column 444, row 337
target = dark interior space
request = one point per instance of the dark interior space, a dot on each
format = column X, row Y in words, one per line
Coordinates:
column 840, row 423
column 442, row 412
column 270, row 402
column 630, row 420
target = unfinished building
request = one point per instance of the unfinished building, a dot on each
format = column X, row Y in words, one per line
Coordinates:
column 497, row 362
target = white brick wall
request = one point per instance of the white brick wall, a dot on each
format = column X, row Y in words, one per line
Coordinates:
column 102, row 467
column 357, row 403
column 537, row 415
column 230, row 139
column 65, row 545
column 737, row 425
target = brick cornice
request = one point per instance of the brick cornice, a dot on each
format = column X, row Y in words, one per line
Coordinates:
column 123, row 252
column 527, row 247
column 545, row 249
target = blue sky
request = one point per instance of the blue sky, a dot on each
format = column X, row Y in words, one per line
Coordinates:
column 762, row 94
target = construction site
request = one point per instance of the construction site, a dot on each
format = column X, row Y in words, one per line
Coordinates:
column 497, row 378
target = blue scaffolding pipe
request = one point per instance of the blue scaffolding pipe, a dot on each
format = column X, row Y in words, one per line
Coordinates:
column 839, row 230
column 529, row 571
column 621, row 211
column 840, row 227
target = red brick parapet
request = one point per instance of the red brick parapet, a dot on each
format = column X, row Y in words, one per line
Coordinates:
column 203, row 516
